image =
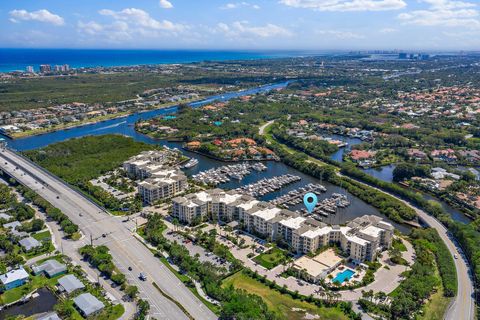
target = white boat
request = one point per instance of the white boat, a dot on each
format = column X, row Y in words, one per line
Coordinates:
column 191, row 163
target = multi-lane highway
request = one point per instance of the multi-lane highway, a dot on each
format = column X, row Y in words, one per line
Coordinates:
column 125, row 249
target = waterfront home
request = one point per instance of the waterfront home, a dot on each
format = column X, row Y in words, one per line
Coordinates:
column 359, row 155
column 29, row 243
column 87, row 304
column 447, row 155
column 13, row 279
column 416, row 154
column 440, row 173
column 49, row 316
column 69, row 284
column 51, row 268
column 194, row 145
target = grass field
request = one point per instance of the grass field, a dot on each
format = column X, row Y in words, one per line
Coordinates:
column 282, row 304
column 44, row 235
column 271, row 259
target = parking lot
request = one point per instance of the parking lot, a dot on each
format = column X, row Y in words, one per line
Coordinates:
column 193, row 249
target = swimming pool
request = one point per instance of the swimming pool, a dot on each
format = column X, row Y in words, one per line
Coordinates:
column 346, row 274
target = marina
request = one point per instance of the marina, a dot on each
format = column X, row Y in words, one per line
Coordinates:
column 295, row 197
column 223, row 174
column 265, row 186
column 119, row 126
column 329, row 205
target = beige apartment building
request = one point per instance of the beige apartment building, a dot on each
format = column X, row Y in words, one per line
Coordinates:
column 159, row 181
column 361, row 239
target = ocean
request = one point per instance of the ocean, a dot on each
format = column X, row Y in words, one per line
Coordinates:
column 19, row 59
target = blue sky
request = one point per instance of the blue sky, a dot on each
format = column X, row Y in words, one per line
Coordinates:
column 223, row 24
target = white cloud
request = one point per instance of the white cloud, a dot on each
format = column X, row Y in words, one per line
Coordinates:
column 346, row 5
column 446, row 13
column 91, row 27
column 129, row 24
column 165, row 4
column 114, row 32
column 40, row 15
column 142, row 18
column 244, row 29
column 340, row 34
column 236, row 5
column 388, row 30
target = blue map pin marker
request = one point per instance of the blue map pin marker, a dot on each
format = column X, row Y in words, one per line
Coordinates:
column 310, row 200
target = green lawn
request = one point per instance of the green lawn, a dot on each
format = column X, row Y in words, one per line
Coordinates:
column 271, row 258
column 44, row 235
column 282, row 304
column 34, row 253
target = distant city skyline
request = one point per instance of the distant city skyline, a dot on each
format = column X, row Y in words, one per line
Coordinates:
column 431, row 25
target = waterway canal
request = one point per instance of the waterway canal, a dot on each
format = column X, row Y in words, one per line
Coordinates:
column 125, row 126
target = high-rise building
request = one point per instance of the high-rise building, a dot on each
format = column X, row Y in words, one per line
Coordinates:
column 61, row 68
column 45, row 68
column 30, row 69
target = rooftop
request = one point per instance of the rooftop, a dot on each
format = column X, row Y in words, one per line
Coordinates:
column 293, row 223
column 88, row 304
column 70, row 283
column 29, row 243
column 13, row 275
column 372, row 231
column 328, row 258
column 50, row 267
column 267, row 214
column 49, row 316
column 312, row 267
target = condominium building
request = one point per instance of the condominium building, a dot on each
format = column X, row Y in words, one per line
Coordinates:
column 159, row 180
column 144, row 164
column 361, row 239
column 45, row 68
column 163, row 184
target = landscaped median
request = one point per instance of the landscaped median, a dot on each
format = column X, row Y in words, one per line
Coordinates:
column 272, row 258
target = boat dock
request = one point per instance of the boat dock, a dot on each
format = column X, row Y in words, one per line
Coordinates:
column 265, row 186
column 295, row 197
column 224, row 174
column 329, row 205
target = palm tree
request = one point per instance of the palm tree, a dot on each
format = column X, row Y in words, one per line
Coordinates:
column 175, row 224
column 336, row 296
